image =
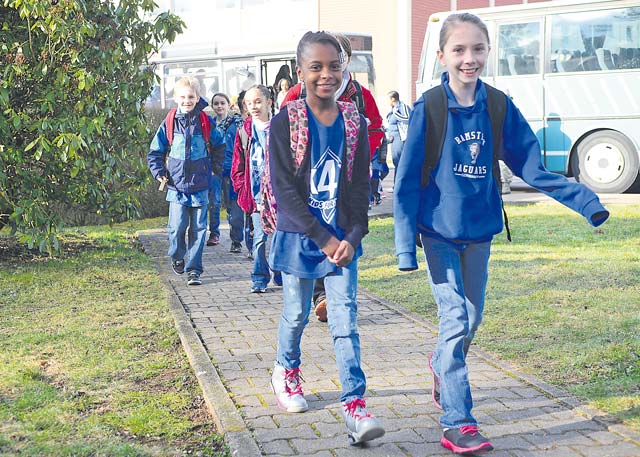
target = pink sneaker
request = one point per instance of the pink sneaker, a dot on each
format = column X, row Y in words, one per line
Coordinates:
column 287, row 386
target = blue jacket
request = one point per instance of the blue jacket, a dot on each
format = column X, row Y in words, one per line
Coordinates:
column 188, row 165
column 228, row 127
column 462, row 201
column 399, row 114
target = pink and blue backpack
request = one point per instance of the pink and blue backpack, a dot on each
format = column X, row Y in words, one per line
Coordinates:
column 299, row 134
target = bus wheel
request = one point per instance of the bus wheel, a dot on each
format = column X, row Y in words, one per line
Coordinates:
column 607, row 162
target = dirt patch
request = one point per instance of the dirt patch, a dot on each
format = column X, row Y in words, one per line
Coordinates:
column 13, row 252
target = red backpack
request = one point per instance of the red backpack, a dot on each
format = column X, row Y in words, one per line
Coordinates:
column 204, row 121
column 216, row 154
column 299, row 136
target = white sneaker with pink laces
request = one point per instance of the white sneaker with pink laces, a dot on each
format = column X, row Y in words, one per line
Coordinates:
column 361, row 425
column 287, row 386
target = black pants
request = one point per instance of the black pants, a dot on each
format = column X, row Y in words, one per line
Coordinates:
column 318, row 289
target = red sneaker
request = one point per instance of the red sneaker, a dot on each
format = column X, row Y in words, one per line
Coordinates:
column 465, row 440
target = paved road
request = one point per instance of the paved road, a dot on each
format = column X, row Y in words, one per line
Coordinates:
column 230, row 338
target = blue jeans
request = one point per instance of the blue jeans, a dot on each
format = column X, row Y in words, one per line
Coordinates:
column 182, row 218
column 215, row 198
column 235, row 215
column 261, row 274
column 396, row 149
column 342, row 312
column 458, row 277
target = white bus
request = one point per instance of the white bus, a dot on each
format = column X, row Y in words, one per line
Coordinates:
column 573, row 69
column 233, row 73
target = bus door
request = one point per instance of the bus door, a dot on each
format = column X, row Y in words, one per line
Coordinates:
column 273, row 69
column 518, row 71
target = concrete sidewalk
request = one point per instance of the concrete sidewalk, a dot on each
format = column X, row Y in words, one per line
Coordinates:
column 230, row 336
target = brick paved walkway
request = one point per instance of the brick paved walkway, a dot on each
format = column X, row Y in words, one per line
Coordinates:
column 522, row 416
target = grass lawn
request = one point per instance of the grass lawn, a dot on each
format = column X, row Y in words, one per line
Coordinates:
column 90, row 361
column 563, row 300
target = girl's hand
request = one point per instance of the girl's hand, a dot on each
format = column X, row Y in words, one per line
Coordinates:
column 331, row 247
column 343, row 255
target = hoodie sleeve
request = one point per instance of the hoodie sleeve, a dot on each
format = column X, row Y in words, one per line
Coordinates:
column 157, row 152
column 375, row 121
column 293, row 94
column 238, row 162
column 217, row 155
column 358, row 197
column 522, row 153
column 407, row 189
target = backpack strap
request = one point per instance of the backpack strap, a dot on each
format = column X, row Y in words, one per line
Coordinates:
column 168, row 124
column 351, row 118
column 298, row 130
column 497, row 107
column 204, row 122
column 358, row 98
column 206, row 127
column 435, row 105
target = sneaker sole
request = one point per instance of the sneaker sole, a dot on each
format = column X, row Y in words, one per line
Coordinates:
column 282, row 406
column 481, row 448
column 366, row 436
column 194, row 283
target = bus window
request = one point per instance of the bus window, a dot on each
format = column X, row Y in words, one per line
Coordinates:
column 240, row 75
column 206, row 72
column 519, row 49
column 361, row 69
column 595, row 41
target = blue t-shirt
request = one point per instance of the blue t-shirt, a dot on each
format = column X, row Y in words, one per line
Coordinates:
column 258, row 143
column 296, row 253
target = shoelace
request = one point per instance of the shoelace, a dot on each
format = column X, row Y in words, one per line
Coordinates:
column 356, row 407
column 292, row 378
column 469, row 429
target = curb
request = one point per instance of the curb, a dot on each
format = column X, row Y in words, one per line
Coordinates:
column 225, row 415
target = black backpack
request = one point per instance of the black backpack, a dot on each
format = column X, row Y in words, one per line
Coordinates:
column 435, row 106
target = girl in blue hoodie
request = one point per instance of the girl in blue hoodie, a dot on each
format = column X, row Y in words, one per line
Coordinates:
column 458, row 212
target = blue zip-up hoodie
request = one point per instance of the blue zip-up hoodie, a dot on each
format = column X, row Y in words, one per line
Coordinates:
column 188, row 165
column 228, row 127
column 462, row 201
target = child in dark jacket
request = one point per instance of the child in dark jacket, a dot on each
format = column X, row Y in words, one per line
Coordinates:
column 228, row 124
column 459, row 211
column 187, row 173
column 319, row 169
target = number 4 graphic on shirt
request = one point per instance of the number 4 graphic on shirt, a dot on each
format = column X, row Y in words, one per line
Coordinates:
column 327, row 181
